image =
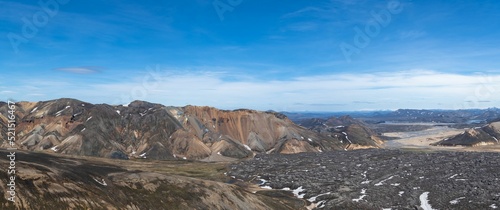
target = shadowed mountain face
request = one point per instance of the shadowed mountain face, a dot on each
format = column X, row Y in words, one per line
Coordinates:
column 486, row 135
column 147, row 130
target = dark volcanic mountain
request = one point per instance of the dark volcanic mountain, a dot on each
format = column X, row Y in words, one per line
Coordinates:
column 486, row 135
column 345, row 129
column 147, row 130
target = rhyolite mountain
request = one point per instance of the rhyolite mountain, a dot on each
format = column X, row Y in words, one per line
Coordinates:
column 477, row 136
column 147, row 130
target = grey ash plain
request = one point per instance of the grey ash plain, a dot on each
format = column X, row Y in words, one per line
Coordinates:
column 381, row 178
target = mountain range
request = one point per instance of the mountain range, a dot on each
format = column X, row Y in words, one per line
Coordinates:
column 148, row 130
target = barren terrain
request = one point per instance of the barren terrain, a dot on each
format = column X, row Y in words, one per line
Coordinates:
column 380, row 179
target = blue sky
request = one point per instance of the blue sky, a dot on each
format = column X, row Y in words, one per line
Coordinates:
column 294, row 56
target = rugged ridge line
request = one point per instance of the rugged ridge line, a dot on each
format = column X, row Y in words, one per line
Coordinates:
column 148, row 130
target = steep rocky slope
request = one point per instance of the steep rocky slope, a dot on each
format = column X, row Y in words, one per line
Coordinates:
column 50, row 182
column 146, row 130
column 485, row 135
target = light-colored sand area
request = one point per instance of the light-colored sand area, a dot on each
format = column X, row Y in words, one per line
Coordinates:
column 423, row 139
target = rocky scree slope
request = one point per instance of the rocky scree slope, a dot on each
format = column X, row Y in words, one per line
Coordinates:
column 147, row 130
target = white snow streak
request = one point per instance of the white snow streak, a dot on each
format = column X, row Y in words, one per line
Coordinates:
column 312, row 199
column 363, row 195
column 382, row 182
column 453, row 202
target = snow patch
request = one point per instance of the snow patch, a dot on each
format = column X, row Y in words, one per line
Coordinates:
column 309, row 139
column 88, row 118
column 382, row 182
column 184, row 158
column 297, row 192
column 34, row 110
column 60, row 111
column 247, row 147
column 401, row 193
column 454, row 175
column 143, row 155
column 312, row 199
column 262, row 181
column 347, row 137
column 266, row 187
column 54, row 149
column 321, row 204
column 103, row 183
column 424, row 201
column 453, row 202
column 118, row 111
column 363, row 195
column 359, row 199
column 364, row 172
column 493, row 206
column 83, row 129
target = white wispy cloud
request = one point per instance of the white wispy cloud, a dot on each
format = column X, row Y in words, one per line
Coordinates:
column 333, row 92
column 385, row 90
column 79, row 70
